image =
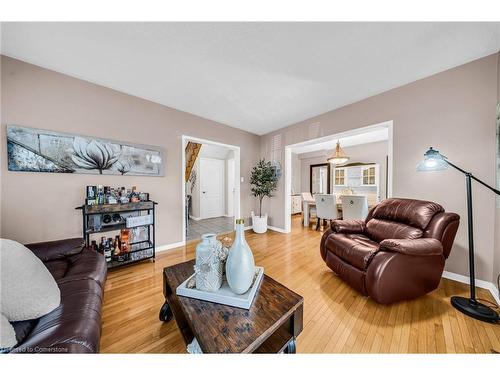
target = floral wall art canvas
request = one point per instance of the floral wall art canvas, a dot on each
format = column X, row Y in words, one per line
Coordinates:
column 35, row 150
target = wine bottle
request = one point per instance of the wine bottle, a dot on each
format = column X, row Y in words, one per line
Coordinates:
column 107, row 251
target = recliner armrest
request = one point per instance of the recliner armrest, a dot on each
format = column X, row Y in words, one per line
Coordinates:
column 419, row 246
column 348, row 226
column 59, row 249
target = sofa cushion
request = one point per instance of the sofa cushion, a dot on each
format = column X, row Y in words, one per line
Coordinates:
column 379, row 230
column 28, row 289
column 86, row 265
column 355, row 249
column 412, row 212
column 23, row 328
column 57, row 268
column 53, row 250
column 74, row 327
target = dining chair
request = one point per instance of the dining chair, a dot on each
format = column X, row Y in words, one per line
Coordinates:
column 354, row 207
column 326, row 208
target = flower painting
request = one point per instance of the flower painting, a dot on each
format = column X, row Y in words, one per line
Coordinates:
column 35, row 150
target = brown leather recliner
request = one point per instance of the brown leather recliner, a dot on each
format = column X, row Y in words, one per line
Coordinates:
column 397, row 253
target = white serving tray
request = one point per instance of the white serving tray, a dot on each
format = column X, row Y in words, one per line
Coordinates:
column 224, row 295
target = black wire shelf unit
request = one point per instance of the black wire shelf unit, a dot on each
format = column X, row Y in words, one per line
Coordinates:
column 138, row 251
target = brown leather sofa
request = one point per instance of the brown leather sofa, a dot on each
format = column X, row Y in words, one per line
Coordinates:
column 75, row 326
column 397, row 253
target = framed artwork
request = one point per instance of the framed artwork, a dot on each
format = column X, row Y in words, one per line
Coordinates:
column 36, row 150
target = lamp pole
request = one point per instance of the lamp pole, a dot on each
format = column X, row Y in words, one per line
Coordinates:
column 471, row 306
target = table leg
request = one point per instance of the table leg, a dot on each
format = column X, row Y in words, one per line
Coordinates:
column 166, row 313
column 306, row 214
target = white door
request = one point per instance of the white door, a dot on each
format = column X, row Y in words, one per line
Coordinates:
column 212, row 187
column 230, row 187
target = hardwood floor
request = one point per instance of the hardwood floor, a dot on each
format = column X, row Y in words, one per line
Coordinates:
column 336, row 318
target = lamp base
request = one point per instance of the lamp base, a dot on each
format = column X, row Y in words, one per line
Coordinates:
column 475, row 309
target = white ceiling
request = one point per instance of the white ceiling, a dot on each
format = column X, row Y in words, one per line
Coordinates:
column 254, row 76
column 376, row 134
column 214, row 151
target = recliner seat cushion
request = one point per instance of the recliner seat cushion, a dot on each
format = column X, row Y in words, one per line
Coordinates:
column 379, row 230
column 355, row 249
column 411, row 212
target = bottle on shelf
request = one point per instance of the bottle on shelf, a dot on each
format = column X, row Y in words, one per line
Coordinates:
column 118, row 255
column 102, row 245
column 100, row 194
column 93, row 246
column 107, row 250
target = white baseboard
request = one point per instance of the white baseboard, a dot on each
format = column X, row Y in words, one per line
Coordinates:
column 169, row 246
column 194, row 218
column 479, row 283
column 276, row 229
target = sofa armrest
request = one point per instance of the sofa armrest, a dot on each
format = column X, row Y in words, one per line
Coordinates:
column 348, row 226
column 59, row 249
column 419, row 246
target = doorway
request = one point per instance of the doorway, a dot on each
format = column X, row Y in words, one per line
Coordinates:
column 212, row 181
column 210, row 187
column 357, row 176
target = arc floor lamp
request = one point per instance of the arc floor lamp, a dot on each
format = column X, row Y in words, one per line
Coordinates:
column 434, row 161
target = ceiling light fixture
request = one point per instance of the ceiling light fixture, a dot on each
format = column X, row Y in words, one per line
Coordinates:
column 339, row 157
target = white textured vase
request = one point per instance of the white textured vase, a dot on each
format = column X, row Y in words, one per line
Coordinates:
column 240, row 265
column 208, row 267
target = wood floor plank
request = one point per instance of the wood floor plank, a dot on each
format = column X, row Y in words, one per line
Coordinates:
column 337, row 319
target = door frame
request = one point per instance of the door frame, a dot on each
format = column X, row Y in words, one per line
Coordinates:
column 222, row 188
column 184, row 141
column 288, row 163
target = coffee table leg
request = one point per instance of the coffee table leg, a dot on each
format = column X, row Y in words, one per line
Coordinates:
column 291, row 348
column 166, row 313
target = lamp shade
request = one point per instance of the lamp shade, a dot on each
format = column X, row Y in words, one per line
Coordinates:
column 433, row 161
column 339, row 156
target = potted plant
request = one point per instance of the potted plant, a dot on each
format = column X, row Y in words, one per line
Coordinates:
column 263, row 181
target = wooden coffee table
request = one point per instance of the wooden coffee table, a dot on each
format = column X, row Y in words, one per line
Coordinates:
column 270, row 326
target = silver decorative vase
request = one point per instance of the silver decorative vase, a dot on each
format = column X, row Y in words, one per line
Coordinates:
column 208, row 267
column 240, row 264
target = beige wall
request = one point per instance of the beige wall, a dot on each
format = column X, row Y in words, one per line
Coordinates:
column 40, row 206
column 453, row 111
column 496, row 261
column 374, row 152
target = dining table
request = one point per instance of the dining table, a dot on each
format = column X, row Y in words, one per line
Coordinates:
column 308, row 204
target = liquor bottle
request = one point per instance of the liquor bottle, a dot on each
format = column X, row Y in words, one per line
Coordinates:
column 102, row 245
column 117, row 253
column 93, row 246
column 107, row 250
column 134, row 197
column 100, row 194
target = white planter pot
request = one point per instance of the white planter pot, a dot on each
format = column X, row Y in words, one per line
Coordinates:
column 259, row 224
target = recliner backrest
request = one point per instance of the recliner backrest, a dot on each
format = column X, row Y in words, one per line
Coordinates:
column 399, row 218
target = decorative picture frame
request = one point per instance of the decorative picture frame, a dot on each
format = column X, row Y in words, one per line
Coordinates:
column 37, row 150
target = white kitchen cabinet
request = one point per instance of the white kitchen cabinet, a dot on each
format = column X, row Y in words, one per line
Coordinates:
column 296, row 204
